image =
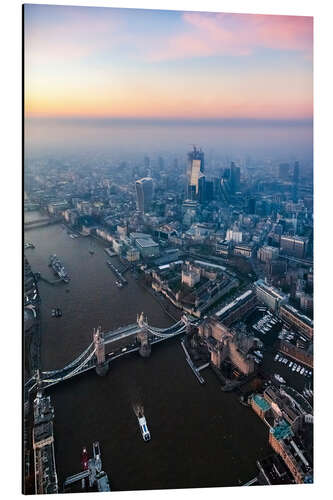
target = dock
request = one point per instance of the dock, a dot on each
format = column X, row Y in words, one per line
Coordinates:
column 117, row 273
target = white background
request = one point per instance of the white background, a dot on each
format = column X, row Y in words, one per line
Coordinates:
column 11, row 239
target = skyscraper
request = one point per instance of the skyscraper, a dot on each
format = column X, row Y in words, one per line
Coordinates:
column 144, row 193
column 195, row 172
column 295, row 181
column 235, row 178
column 284, row 171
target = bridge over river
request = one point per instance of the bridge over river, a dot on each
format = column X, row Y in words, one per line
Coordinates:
column 102, row 351
column 33, row 224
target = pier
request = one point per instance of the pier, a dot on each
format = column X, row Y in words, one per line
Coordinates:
column 96, row 476
column 195, row 370
column 117, row 273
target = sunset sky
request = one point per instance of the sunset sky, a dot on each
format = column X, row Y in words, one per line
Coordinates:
column 89, row 62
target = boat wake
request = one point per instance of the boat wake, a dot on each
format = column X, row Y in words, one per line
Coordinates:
column 138, row 409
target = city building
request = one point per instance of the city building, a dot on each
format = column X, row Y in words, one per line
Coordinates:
column 267, row 253
column 225, row 346
column 234, row 178
column 190, row 275
column 294, row 352
column 46, row 480
column 196, row 177
column 286, row 413
column 306, row 303
column 214, row 283
column 223, row 248
column 294, row 246
column 147, row 247
column 243, row 250
column 295, row 181
column 259, row 405
column 283, row 443
column 234, row 235
column 269, row 295
column 236, row 309
column 132, row 254
column 284, row 171
column 144, row 193
column 299, row 321
column 57, row 207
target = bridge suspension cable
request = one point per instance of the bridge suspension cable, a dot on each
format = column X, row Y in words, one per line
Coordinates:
column 74, row 362
column 72, row 373
column 166, row 335
column 164, row 329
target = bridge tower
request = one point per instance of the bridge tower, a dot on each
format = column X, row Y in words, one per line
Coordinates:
column 143, row 337
column 102, row 366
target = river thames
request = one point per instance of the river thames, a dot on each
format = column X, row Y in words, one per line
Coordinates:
column 201, row 436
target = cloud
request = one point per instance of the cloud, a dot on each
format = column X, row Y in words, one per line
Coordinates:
column 207, row 34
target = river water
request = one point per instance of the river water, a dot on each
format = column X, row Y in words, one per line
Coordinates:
column 201, row 436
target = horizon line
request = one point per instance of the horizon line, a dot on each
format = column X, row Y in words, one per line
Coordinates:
column 170, row 121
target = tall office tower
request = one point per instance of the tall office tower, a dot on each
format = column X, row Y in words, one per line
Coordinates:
column 216, row 188
column 295, row 181
column 160, row 163
column 226, row 174
column 284, row 171
column 234, row 178
column 209, row 190
column 195, row 172
column 146, row 161
column 251, row 206
column 144, row 193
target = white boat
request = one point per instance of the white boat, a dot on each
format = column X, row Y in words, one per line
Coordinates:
column 302, row 371
column 143, row 427
column 298, row 368
column 305, row 373
column 290, row 364
column 276, row 357
column 294, row 367
column 258, row 353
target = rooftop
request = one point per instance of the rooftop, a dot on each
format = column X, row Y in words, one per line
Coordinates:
column 269, row 289
column 281, row 430
column 298, row 314
column 234, row 302
column 261, row 402
column 146, row 242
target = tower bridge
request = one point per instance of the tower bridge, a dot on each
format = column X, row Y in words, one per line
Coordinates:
column 96, row 355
